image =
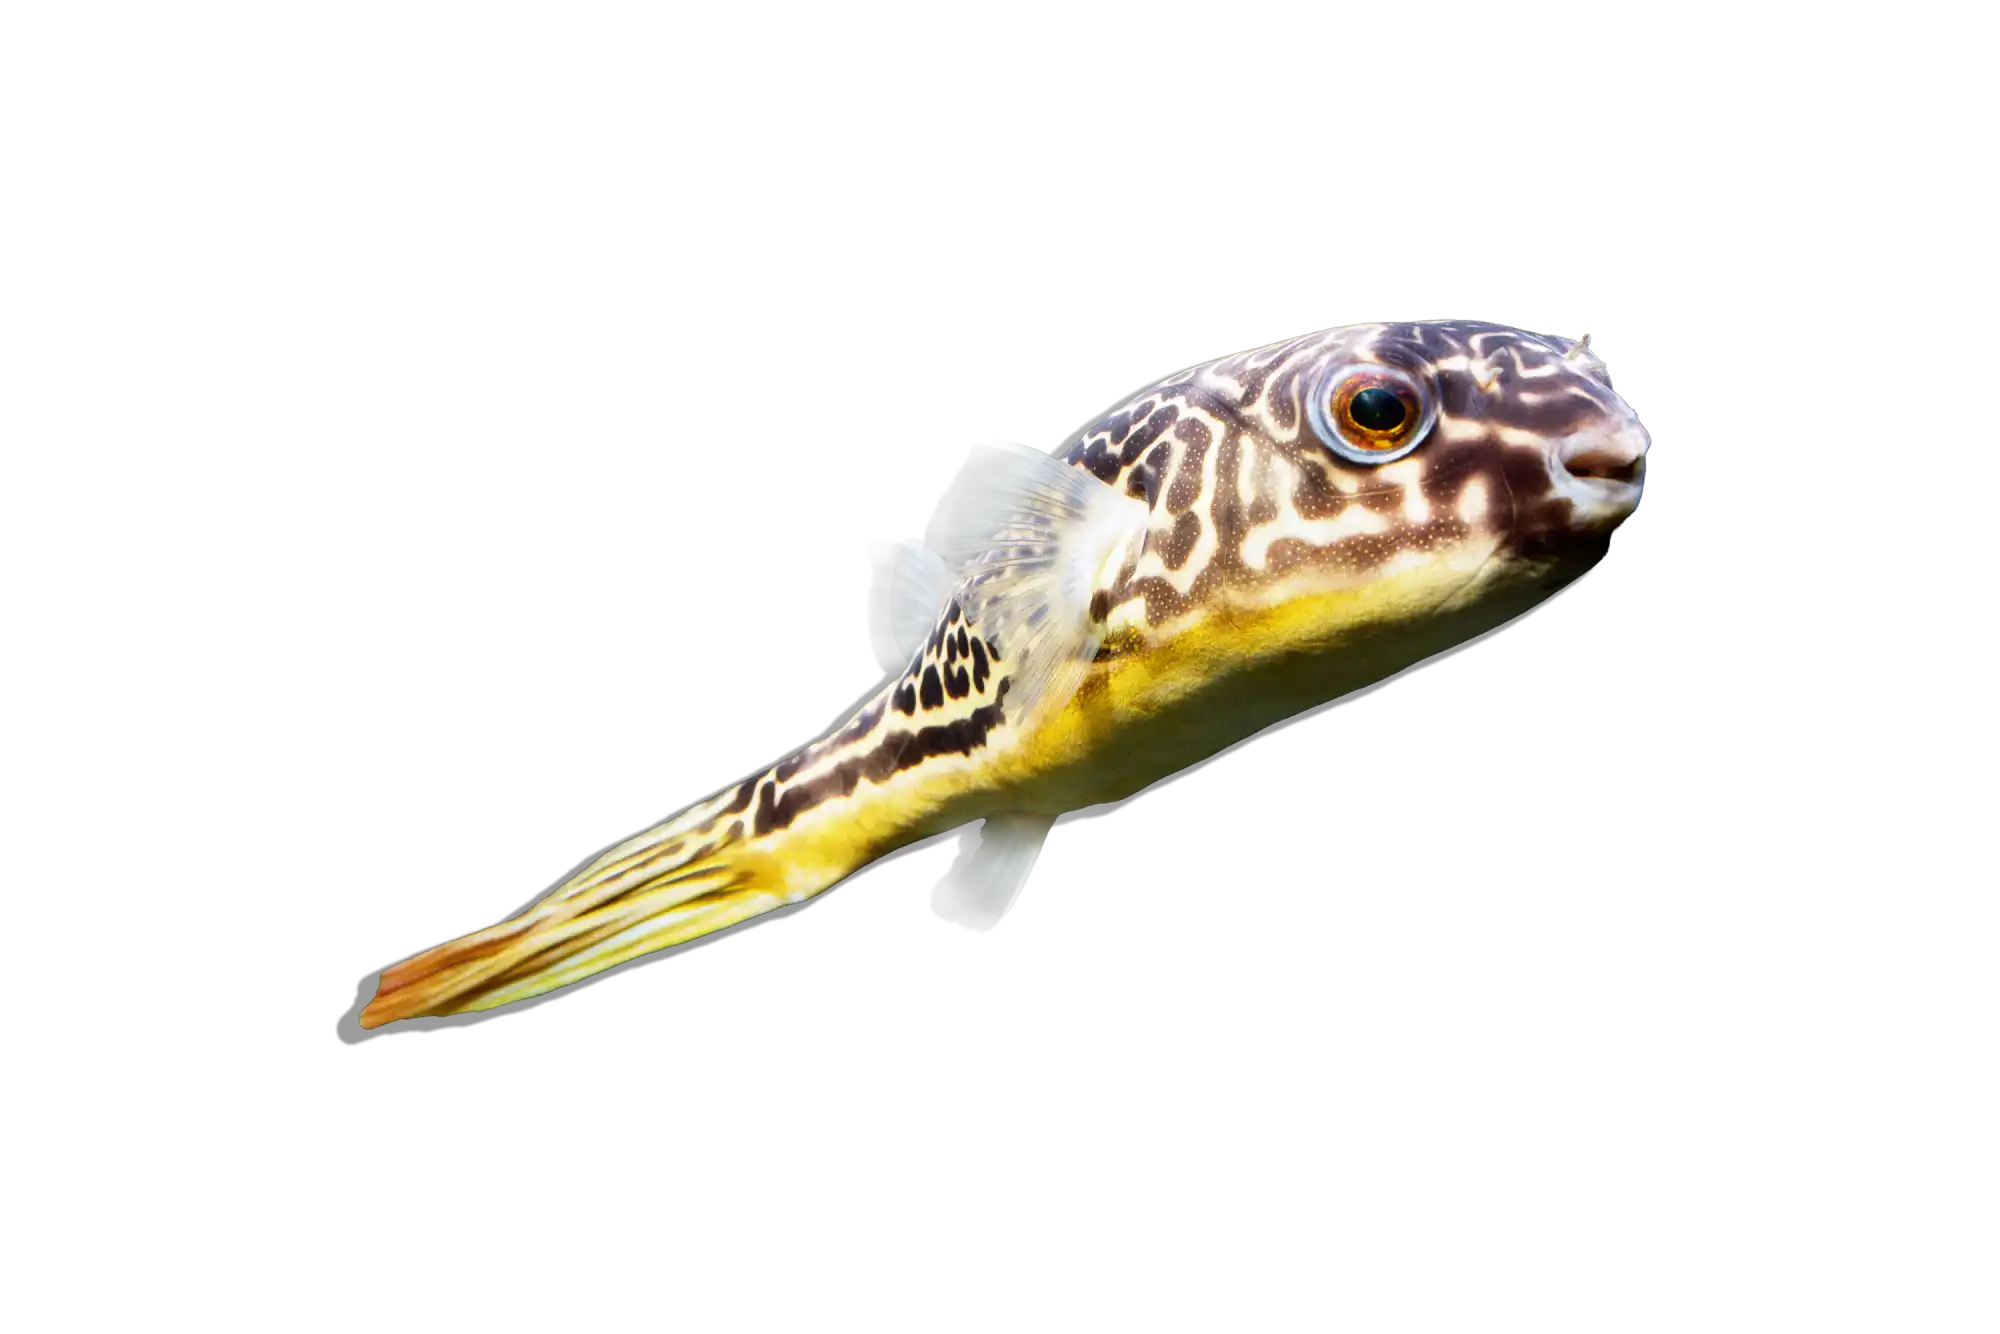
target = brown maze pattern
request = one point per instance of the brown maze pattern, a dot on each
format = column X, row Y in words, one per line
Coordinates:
column 948, row 701
column 951, row 697
column 1531, row 461
column 1199, row 447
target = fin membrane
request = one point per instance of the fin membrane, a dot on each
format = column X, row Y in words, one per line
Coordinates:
column 1030, row 539
column 981, row 889
column 917, row 593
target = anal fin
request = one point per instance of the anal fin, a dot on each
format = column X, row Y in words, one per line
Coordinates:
column 980, row 890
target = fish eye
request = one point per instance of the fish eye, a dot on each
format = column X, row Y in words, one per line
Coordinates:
column 1376, row 409
column 1371, row 414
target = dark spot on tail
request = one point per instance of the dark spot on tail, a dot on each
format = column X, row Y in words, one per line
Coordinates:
column 979, row 670
column 955, row 738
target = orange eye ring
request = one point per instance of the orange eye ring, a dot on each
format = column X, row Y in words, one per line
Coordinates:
column 1373, row 416
column 1370, row 413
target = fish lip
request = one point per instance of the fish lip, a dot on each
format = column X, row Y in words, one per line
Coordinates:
column 1606, row 451
column 1604, row 494
column 1598, row 503
column 1602, row 472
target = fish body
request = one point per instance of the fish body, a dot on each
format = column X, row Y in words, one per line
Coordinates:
column 1232, row 544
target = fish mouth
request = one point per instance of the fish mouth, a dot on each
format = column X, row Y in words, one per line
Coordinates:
column 1607, row 465
column 1602, row 472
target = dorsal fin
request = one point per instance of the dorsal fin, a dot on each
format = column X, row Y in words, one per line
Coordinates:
column 912, row 585
column 1029, row 539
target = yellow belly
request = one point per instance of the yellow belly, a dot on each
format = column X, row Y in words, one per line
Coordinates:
column 1167, row 698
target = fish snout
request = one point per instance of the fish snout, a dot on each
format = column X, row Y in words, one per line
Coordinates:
column 1602, row 471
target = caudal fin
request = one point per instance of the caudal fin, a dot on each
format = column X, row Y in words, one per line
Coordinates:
column 677, row 881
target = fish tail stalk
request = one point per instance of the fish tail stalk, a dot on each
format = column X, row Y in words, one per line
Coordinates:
column 1013, row 556
column 718, row 863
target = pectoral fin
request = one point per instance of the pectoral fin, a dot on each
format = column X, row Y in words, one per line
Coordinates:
column 1030, row 540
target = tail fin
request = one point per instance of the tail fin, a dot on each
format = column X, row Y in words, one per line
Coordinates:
column 681, row 879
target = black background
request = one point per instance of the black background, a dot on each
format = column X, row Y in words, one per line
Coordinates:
column 605, row 533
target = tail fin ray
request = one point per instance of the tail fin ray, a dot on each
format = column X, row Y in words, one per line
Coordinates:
column 662, row 888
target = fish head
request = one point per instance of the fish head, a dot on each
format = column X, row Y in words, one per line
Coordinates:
column 1370, row 478
column 1518, row 436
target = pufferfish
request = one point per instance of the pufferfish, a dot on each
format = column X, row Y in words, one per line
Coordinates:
column 1230, row 545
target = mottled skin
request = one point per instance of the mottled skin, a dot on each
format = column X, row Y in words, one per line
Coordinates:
column 1274, row 575
column 1310, row 576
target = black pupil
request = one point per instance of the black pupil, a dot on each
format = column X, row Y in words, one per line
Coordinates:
column 1377, row 410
